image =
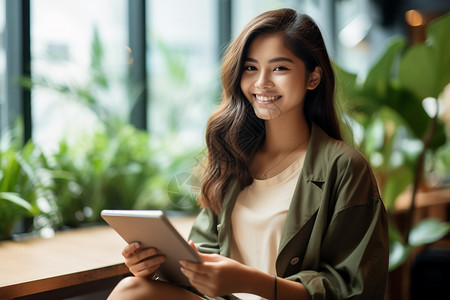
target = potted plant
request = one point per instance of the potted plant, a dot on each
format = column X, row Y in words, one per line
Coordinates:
column 394, row 131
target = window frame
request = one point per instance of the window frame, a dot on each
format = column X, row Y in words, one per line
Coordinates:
column 18, row 41
column 18, row 65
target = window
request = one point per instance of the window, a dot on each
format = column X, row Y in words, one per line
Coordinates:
column 62, row 41
column 245, row 10
column 3, row 107
column 361, row 35
column 320, row 10
column 183, row 68
column 353, row 23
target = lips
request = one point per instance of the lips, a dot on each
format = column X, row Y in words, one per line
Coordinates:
column 266, row 99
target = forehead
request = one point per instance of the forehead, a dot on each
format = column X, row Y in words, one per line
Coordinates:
column 269, row 46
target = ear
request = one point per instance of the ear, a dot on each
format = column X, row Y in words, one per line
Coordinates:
column 314, row 78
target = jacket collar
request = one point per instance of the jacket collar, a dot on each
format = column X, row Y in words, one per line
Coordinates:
column 310, row 183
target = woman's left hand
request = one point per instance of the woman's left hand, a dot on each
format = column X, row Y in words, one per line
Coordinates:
column 216, row 275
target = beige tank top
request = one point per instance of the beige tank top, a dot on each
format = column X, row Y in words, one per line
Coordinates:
column 258, row 220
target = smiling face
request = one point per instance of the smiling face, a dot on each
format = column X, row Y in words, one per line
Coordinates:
column 274, row 80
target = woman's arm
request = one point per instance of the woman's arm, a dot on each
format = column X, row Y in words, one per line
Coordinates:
column 348, row 258
column 219, row 275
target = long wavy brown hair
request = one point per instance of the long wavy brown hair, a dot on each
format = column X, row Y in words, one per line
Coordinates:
column 234, row 131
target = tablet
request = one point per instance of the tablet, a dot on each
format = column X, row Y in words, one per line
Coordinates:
column 153, row 229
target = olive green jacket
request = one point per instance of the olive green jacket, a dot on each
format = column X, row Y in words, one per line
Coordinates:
column 335, row 239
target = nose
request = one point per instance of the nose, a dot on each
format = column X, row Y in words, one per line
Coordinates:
column 264, row 81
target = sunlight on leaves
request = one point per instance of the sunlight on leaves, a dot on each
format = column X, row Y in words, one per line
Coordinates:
column 428, row 231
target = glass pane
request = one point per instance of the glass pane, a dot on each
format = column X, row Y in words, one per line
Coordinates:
column 245, row 10
column 353, row 25
column 320, row 10
column 3, row 116
column 68, row 65
column 183, row 67
column 361, row 36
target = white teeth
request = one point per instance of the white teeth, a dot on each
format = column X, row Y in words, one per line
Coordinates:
column 263, row 98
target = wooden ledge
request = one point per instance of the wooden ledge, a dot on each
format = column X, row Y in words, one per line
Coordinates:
column 70, row 258
column 432, row 197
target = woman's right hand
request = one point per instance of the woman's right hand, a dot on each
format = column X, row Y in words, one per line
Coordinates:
column 142, row 262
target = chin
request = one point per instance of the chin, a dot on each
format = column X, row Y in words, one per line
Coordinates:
column 267, row 114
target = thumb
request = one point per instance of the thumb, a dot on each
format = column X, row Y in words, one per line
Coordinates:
column 202, row 255
column 191, row 243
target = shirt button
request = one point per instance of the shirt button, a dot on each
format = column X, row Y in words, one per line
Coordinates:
column 295, row 261
column 219, row 226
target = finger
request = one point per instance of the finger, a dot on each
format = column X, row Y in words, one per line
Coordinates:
column 198, row 276
column 188, row 265
column 191, row 243
column 145, row 253
column 203, row 256
column 198, row 268
column 201, row 283
column 208, row 257
column 140, row 255
column 148, row 266
column 145, row 272
column 130, row 249
column 194, row 277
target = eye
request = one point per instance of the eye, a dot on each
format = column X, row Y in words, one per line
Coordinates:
column 280, row 68
column 250, row 68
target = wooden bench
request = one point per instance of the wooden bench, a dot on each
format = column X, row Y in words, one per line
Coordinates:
column 72, row 263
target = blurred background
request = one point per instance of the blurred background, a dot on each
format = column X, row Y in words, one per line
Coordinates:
column 104, row 104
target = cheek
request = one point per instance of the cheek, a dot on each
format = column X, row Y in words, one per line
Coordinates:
column 288, row 83
column 294, row 86
column 245, row 86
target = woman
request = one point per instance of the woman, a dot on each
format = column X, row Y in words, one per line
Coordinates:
column 289, row 211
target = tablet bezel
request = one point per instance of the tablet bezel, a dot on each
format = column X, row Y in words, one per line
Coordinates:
column 161, row 234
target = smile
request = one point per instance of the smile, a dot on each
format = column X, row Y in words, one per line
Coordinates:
column 265, row 99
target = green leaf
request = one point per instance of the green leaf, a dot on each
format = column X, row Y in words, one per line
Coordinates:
column 441, row 161
column 438, row 35
column 397, row 181
column 398, row 252
column 379, row 77
column 425, row 68
column 375, row 135
column 346, row 83
column 428, row 231
column 395, row 235
column 418, row 71
column 15, row 199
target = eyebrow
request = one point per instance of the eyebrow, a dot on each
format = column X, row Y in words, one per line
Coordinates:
column 273, row 60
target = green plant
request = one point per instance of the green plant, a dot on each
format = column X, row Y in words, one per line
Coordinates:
column 125, row 171
column 116, row 166
column 23, row 191
column 181, row 101
column 393, row 129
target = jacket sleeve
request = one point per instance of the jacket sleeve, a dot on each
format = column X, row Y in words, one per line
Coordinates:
column 204, row 232
column 354, row 249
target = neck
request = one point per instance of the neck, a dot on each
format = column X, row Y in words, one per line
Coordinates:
column 282, row 136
